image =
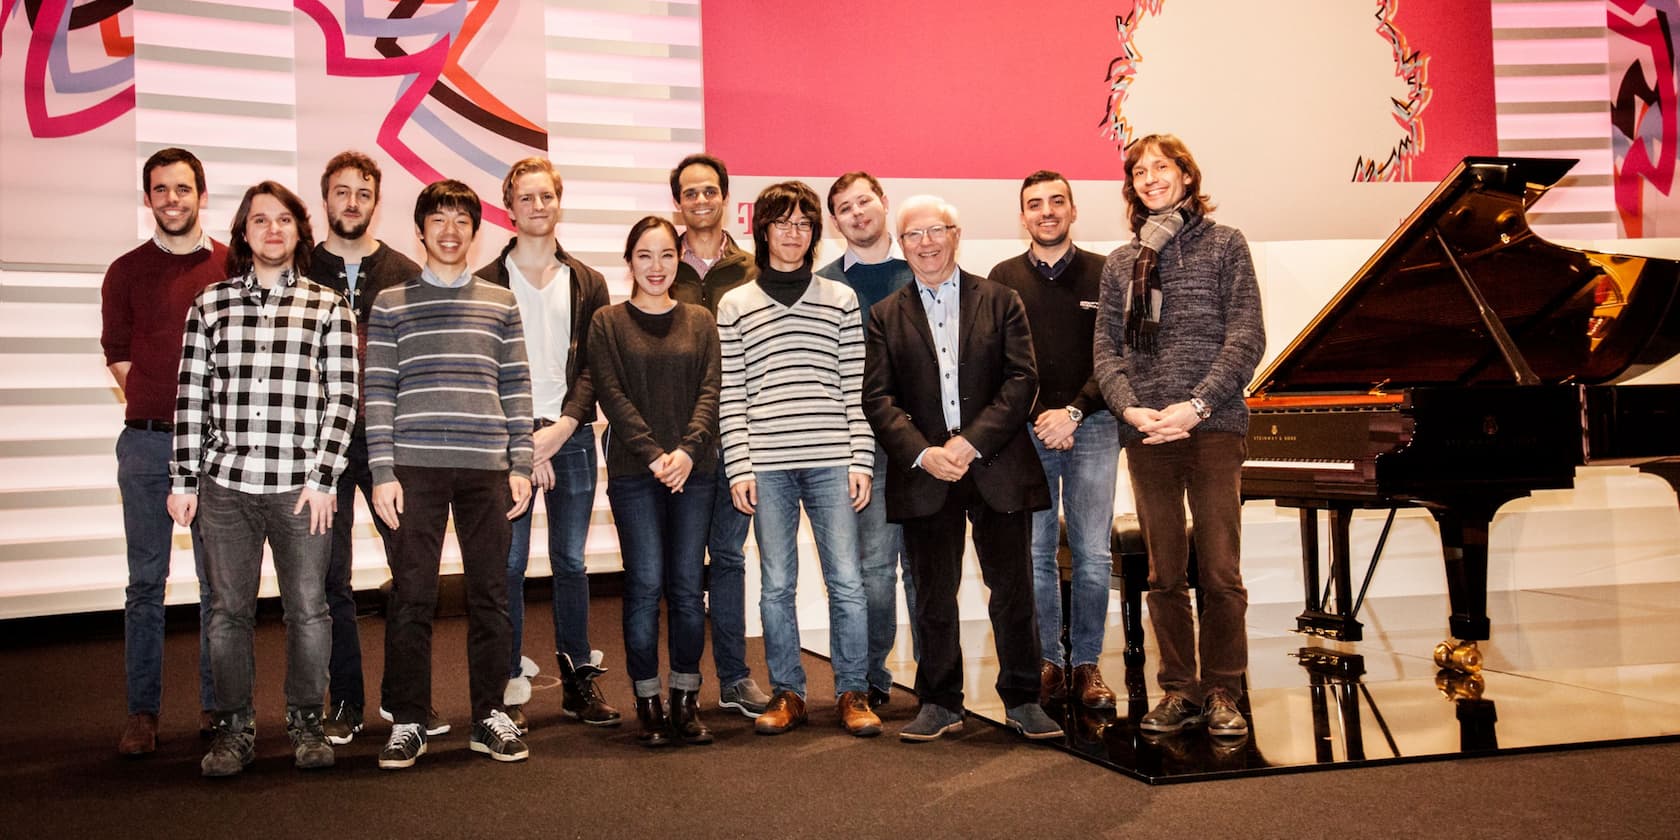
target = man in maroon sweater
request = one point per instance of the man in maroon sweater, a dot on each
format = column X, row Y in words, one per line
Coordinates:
column 144, row 304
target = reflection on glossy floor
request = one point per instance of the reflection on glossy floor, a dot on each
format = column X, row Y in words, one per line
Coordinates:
column 1565, row 668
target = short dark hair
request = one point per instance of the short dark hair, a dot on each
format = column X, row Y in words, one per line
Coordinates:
column 169, row 157
column 240, row 259
column 1173, row 148
column 777, row 201
column 1044, row 176
column 647, row 223
column 845, row 182
column 351, row 160
column 704, row 160
column 448, row 194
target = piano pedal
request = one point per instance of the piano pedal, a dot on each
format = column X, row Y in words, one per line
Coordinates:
column 1457, row 685
column 1464, row 657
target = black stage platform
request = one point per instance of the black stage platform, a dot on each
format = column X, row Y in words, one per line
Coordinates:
column 1565, row 669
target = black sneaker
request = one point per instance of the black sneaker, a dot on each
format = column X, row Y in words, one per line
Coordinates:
column 436, row 724
column 343, row 724
column 1173, row 714
column 407, row 743
column 232, row 747
column 310, row 750
column 497, row 737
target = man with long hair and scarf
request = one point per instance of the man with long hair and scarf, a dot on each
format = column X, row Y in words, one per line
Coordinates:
column 1178, row 336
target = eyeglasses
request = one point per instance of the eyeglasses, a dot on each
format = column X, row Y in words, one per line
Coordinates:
column 785, row 225
column 934, row 233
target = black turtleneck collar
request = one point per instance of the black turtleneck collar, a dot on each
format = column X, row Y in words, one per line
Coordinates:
column 785, row 287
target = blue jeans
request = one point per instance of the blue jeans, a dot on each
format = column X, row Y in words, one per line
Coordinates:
column 726, row 541
column 235, row 526
column 1082, row 487
column 827, row 502
column 143, row 480
column 662, row 537
column 570, row 505
column 881, row 552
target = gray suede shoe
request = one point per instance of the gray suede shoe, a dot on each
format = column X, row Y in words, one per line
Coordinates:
column 932, row 721
column 1030, row 720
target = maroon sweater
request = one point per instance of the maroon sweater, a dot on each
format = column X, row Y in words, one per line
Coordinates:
column 144, row 304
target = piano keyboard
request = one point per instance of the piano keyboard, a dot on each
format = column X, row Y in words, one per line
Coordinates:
column 1299, row 464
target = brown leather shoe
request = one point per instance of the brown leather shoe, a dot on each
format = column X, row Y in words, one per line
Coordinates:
column 1052, row 683
column 855, row 716
column 1089, row 688
column 785, row 712
column 139, row 736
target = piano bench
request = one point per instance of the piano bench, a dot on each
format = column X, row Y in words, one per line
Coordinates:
column 1128, row 575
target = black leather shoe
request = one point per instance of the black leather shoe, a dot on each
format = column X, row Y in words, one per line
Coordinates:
column 685, row 717
column 879, row 697
column 656, row 730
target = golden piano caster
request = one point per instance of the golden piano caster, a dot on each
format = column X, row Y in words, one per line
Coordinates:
column 1464, row 656
column 1458, row 685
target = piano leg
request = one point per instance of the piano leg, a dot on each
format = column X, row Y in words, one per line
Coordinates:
column 1464, row 545
column 1319, row 619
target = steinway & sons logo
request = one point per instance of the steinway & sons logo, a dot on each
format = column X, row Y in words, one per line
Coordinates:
column 1272, row 436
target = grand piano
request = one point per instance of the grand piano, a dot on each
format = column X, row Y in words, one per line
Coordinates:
column 1468, row 363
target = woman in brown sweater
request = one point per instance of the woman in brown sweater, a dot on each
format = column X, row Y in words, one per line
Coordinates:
column 655, row 364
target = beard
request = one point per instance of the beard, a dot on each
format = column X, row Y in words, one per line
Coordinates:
column 187, row 222
column 1052, row 242
column 348, row 231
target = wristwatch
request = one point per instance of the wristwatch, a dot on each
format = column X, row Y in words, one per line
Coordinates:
column 1200, row 406
column 1075, row 415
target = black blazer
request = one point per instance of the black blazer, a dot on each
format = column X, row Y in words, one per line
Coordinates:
column 997, row 381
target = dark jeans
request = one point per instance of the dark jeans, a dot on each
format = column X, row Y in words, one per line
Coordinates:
column 1206, row 468
column 662, row 537
column 235, row 526
column 570, row 504
column 344, row 672
column 726, row 541
column 881, row 554
column 1003, row 543
column 480, row 500
column 143, row 480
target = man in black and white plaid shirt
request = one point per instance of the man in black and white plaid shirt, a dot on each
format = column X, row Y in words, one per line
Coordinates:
column 263, row 414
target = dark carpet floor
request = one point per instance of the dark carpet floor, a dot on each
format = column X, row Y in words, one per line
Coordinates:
column 61, row 709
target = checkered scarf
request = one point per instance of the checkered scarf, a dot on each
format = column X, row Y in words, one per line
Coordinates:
column 1143, row 320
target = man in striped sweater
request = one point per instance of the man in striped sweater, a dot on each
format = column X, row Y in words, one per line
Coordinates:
column 448, row 401
column 794, row 432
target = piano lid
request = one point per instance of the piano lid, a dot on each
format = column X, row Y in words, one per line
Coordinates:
column 1503, row 304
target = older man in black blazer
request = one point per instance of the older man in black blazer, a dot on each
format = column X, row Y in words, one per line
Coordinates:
column 948, row 383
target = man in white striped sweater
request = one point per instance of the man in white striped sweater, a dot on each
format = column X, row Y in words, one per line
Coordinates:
column 794, row 433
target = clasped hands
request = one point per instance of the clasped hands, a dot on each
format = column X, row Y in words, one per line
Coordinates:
column 950, row 461
column 1165, row 425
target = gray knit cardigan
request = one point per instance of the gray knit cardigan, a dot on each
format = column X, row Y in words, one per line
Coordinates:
column 1211, row 335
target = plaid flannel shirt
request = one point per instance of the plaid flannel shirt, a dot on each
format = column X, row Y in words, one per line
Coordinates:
column 267, row 394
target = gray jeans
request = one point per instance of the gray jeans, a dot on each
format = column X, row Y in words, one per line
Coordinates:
column 234, row 526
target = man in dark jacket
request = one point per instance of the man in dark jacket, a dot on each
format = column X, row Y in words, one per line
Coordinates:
column 358, row 266
column 711, row 265
column 558, row 295
column 948, row 384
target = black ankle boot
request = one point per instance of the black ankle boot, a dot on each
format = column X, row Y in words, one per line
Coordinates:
column 580, row 697
column 656, row 730
column 685, row 717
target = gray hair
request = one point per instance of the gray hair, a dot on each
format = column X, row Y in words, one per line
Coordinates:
column 922, row 203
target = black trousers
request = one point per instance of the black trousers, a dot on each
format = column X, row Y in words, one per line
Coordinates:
column 480, row 500
column 345, row 669
column 1003, row 542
